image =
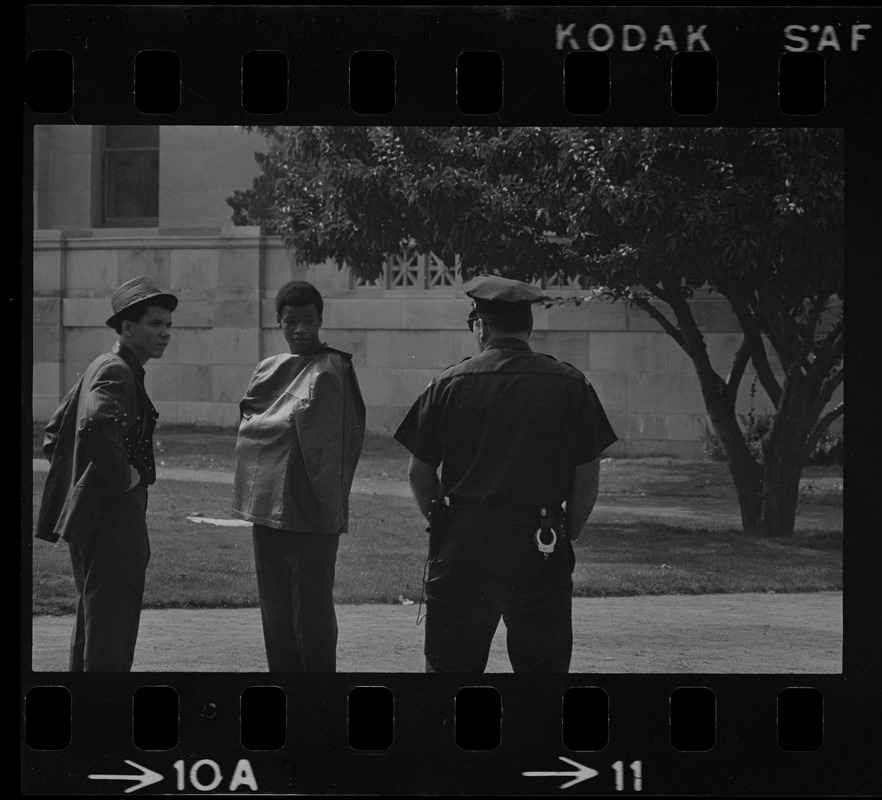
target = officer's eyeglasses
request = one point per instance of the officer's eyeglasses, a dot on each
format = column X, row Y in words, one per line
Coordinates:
column 472, row 318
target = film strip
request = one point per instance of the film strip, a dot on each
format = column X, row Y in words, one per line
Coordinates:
column 398, row 733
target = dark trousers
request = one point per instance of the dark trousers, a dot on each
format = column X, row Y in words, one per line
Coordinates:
column 295, row 582
column 109, row 575
column 484, row 573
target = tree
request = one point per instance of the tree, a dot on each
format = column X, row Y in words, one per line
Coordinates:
column 648, row 216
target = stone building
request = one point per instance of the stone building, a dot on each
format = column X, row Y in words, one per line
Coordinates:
column 114, row 202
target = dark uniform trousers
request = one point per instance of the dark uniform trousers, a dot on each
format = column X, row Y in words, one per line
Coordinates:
column 295, row 582
column 109, row 574
column 487, row 572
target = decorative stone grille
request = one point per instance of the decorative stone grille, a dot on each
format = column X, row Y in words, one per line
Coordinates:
column 412, row 270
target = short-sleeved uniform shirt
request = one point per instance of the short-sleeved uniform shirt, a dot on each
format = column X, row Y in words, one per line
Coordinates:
column 509, row 426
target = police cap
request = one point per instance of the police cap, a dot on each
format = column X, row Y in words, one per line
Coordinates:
column 492, row 292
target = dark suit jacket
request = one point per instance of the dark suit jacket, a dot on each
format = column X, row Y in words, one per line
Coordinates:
column 103, row 424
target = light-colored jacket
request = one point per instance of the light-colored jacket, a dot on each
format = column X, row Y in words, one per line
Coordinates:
column 301, row 430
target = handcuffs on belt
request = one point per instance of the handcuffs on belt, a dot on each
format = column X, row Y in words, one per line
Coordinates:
column 545, row 530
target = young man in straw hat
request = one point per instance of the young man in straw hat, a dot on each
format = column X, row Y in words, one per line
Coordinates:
column 99, row 443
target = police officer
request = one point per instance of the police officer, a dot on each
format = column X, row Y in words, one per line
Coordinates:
column 518, row 436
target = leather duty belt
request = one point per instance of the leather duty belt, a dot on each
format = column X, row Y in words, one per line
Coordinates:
column 504, row 515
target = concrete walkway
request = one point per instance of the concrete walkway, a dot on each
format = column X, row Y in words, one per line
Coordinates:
column 725, row 634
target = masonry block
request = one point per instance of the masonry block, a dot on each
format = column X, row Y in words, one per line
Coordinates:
column 90, row 272
column 182, row 169
column 354, row 342
column 593, row 315
column 454, row 346
column 381, row 386
column 47, row 311
column 70, row 171
column 239, row 270
column 443, row 314
column 71, row 372
column 570, row 346
column 235, row 345
column 68, row 210
column 152, row 261
column 677, row 360
column 408, row 349
column 611, row 388
column 190, row 346
column 644, row 425
column 235, row 314
column 272, row 343
column 78, row 312
column 46, row 343
column 42, row 409
column 647, row 351
column 178, row 381
column 685, row 427
column 193, row 313
column 385, row 419
column 268, row 316
column 230, row 382
column 653, row 392
column 83, row 345
column 281, row 265
column 46, row 379
column 194, row 272
column 344, row 313
column 47, row 271
column 690, row 399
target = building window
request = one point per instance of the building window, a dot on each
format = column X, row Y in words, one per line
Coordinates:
column 130, row 165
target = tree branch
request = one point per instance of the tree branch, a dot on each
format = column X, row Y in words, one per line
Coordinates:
column 824, row 422
column 758, row 354
column 644, row 305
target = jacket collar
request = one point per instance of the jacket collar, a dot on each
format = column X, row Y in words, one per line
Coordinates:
column 130, row 358
column 505, row 343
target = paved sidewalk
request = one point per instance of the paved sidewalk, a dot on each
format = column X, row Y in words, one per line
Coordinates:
column 724, row 634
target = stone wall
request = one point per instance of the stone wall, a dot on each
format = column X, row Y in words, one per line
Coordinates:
column 226, row 280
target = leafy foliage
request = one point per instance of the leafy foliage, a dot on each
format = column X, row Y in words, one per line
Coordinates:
column 646, row 215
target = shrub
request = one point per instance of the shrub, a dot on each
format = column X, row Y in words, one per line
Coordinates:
column 828, row 450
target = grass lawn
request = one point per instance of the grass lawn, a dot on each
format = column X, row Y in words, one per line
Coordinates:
column 381, row 560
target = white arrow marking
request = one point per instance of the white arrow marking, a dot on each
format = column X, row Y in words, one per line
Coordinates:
column 582, row 773
column 146, row 777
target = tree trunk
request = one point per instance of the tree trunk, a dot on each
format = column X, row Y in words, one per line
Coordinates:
column 785, row 454
column 747, row 475
column 780, row 492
